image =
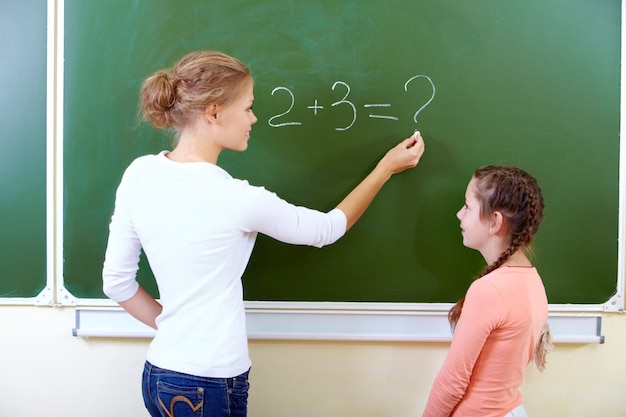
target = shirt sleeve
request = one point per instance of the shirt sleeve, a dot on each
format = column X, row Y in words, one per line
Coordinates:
column 121, row 260
column 293, row 224
column 480, row 315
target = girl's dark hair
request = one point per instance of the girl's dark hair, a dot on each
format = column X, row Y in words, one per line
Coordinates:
column 516, row 194
column 174, row 98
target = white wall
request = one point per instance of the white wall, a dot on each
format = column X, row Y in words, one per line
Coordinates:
column 47, row 371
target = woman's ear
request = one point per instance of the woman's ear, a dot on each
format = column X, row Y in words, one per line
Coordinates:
column 496, row 224
column 211, row 113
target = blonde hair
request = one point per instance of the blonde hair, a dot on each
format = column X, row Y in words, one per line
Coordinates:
column 173, row 98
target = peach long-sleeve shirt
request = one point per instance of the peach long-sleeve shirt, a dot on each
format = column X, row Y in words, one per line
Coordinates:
column 502, row 318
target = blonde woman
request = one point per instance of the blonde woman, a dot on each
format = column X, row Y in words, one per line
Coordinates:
column 197, row 226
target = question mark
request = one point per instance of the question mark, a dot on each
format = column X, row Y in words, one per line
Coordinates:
column 406, row 88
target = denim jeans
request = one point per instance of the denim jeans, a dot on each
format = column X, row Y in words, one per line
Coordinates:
column 174, row 394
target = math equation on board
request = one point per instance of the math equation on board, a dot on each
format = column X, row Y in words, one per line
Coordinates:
column 373, row 110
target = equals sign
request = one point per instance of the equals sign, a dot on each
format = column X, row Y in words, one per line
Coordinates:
column 379, row 116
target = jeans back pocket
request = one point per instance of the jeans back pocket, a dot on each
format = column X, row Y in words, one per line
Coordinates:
column 180, row 401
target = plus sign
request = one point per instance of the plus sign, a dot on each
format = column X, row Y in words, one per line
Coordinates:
column 315, row 107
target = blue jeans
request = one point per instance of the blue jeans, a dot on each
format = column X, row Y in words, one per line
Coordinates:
column 174, row 394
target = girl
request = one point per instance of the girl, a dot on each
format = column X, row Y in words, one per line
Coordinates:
column 197, row 226
column 502, row 321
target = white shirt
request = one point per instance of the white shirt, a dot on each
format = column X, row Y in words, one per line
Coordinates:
column 197, row 226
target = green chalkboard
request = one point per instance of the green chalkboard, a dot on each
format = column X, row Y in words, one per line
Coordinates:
column 23, row 156
column 337, row 82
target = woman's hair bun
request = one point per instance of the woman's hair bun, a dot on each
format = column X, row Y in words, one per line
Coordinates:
column 175, row 98
column 158, row 97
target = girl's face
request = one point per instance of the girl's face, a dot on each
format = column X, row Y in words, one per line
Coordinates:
column 474, row 229
column 236, row 122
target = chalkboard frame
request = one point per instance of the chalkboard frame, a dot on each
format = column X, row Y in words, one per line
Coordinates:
column 46, row 295
column 55, row 293
column 62, row 297
column 600, row 287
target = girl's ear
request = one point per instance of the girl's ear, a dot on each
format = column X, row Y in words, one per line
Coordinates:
column 496, row 225
column 211, row 113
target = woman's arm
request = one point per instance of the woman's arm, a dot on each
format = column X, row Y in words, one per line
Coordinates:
column 272, row 216
column 143, row 307
column 121, row 262
column 401, row 157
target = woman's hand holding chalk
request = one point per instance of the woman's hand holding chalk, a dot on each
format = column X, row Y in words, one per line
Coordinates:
column 414, row 136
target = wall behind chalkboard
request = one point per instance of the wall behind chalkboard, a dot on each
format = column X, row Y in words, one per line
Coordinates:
column 337, row 82
column 23, row 156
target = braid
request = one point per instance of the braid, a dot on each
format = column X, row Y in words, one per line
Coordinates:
column 455, row 312
column 535, row 206
column 514, row 193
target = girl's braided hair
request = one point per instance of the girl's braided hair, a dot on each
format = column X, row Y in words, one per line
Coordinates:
column 517, row 196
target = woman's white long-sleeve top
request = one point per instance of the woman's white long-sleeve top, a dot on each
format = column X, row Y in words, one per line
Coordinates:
column 197, row 226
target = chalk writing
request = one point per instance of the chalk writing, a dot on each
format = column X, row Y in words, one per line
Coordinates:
column 344, row 101
column 379, row 116
column 316, row 107
column 293, row 100
column 406, row 86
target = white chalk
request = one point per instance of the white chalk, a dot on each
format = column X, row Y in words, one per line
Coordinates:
column 415, row 133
